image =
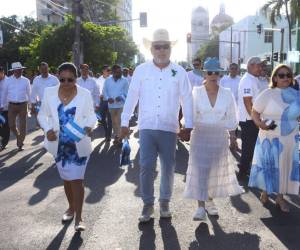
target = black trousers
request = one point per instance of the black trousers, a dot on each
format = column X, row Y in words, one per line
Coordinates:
column 106, row 119
column 249, row 133
column 4, row 130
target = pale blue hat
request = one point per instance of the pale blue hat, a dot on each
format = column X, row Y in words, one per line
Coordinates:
column 212, row 64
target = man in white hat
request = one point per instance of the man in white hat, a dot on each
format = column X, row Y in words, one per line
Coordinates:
column 159, row 86
column 17, row 93
column 248, row 91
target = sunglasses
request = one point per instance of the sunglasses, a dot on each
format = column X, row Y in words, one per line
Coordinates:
column 68, row 80
column 161, row 46
column 213, row 73
column 196, row 64
column 282, row 75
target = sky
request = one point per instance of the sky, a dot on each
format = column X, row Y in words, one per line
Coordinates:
column 173, row 15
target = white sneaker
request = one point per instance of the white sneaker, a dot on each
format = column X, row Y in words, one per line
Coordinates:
column 200, row 214
column 147, row 213
column 211, row 208
column 165, row 210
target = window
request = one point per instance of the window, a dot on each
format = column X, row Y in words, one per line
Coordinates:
column 268, row 36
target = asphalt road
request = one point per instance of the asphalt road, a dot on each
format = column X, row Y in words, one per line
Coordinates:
column 32, row 202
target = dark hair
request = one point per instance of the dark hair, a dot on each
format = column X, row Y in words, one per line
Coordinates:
column 115, row 67
column 105, row 67
column 233, row 64
column 44, row 64
column 197, row 59
column 1, row 69
column 67, row 66
column 273, row 83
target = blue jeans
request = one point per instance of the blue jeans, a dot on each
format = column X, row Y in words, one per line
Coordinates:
column 155, row 143
column 106, row 118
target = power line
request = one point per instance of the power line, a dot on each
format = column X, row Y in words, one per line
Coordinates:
column 52, row 10
column 53, row 7
column 9, row 24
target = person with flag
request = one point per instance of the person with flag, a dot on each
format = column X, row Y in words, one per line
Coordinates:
column 67, row 117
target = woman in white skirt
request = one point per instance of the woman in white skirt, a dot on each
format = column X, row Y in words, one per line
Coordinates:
column 67, row 118
column 209, row 173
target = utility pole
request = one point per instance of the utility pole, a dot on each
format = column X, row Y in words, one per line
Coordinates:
column 281, row 45
column 77, row 12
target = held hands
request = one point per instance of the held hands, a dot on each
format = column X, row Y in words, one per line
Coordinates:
column 185, row 134
column 110, row 100
column 88, row 131
column 51, row 135
column 124, row 132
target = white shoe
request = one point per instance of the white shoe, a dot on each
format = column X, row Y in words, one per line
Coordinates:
column 165, row 210
column 147, row 213
column 200, row 214
column 211, row 208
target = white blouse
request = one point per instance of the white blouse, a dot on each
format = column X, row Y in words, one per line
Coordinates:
column 223, row 113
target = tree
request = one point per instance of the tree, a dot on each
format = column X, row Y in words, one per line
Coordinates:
column 210, row 49
column 100, row 45
column 291, row 10
column 17, row 33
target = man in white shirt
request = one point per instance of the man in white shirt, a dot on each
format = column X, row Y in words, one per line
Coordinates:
column 232, row 81
column 87, row 82
column 4, row 127
column 40, row 82
column 195, row 75
column 263, row 78
column 159, row 86
column 248, row 91
column 17, row 93
column 104, row 111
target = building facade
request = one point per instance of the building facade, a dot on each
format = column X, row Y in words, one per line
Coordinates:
column 124, row 12
column 199, row 31
column 247, row 42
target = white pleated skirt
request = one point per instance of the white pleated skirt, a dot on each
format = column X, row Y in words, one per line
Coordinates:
column 209, row 173
column 71, row 171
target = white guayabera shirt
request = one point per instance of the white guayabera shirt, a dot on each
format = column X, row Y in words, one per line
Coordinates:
column 159, row 93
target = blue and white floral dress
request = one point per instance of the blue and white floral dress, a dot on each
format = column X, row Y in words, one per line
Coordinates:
column 69, row 164
column 275, row 166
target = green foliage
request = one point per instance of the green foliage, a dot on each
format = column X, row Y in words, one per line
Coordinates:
column 14, row 38
column 100, row 45
column 210, row 49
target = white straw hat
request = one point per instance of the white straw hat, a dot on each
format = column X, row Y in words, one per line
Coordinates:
column 16, row 65
column 159, row 35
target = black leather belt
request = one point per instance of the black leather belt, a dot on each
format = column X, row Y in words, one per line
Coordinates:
column 17, row 103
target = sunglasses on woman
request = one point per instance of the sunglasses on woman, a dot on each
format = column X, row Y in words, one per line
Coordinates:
column 282, row 75
column 213, row 73
column 68, row 80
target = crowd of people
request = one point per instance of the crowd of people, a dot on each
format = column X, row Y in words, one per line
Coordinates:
column 68, row 107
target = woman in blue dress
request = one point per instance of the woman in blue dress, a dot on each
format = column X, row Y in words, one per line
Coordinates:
column 67, row 118
column 275, row 167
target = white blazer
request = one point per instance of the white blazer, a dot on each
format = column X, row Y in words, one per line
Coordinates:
column 84, row 116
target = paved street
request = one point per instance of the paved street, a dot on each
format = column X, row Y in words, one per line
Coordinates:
column 32, row 202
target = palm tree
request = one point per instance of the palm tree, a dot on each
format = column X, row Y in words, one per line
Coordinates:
column 291, row 9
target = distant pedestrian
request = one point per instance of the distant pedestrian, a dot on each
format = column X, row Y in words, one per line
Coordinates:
column 159, row 86
column 40, row 83
column 195, row 75
column 4, row 127
column 232, row 81
column 67, row 117
column 115, row 92
column 88, row 82
column 209, row 173
column 275, row 167
column 104, row 111
column 248, row 91
column 17, row 92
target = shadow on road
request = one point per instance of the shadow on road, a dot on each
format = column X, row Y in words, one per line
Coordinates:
column 56, row 242
column 6, row 156
column 45, row 182
column 37, row 140
column 147, row 239
column 222, row 240
column 169, row 234
column 103, row 170
column 11, row 174
column 132, row 174
column 182, row 157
